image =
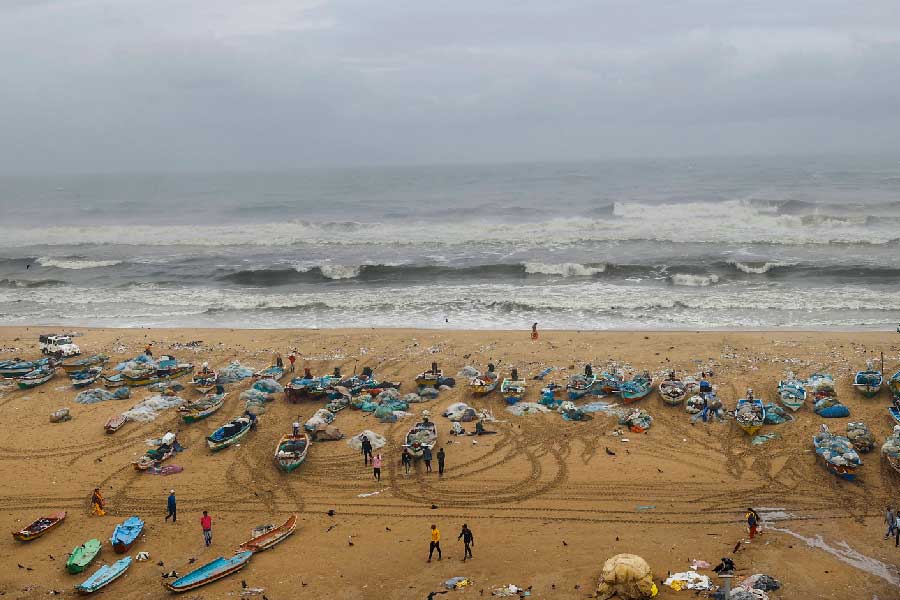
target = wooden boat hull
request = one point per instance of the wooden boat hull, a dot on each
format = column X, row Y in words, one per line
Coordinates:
column 193, row 580
column 216, row 446
column 288, row 462
column 192, row 416
column 114, row 382
column 84, row 364
column 868, row 391
column 108, row 574
column 86, row 381
column 895, row 413
column 26, row 382
column 270, row 538
column 130, row 533
column 893, row 462
column 750, row 429
column 482, row 389
column 115, row 423
column 847, row 473
column 82, row 556
column 32, row 532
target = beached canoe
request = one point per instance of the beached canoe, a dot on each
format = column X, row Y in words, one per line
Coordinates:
column 272, row 372
column 792, row 392
column 81, row 379
column 420, row 436
column 868, row 382
column 580, row 385
column 270, row 537
column 308, row 387
column 750, row 414
column 673, row 390
column 291, row 451
column 197, row 411
column 230, row 433
column 103, row 576
column 115, row 423
column 81, row 556
column 204, row 380
column 40, row 527
column 84, row 363
column 513, row 388
column 212, row 571
column 126, row 534
column 431, row 377
column 895, row 413
column 18, row 368
column 636, row 388
column 484, row 383
column 837, row 454
column 35, row 378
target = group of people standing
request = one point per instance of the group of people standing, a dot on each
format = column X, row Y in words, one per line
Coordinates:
column 405, row 459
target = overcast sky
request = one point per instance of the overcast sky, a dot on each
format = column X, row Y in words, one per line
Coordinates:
column 112, row 85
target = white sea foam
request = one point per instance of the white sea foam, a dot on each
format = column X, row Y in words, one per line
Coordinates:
column 759, row 269
column 564, row 269
column 75, row 263
column 686, row 279
column 340, row 271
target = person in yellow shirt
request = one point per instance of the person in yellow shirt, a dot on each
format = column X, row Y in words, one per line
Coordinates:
column 97, row 503
column 435, row 542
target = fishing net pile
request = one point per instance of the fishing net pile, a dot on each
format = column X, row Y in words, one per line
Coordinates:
column 831, row 408
column 235, row 371
column 860, row 436
column 460, row 411
column 99, row 395
column 320, row 418
column 891, row 446
column 626, row 576
column 377, row 441
column 259, row 394
column 836, row 449
column 776, row 415
column 150, row 408
column 638, row 420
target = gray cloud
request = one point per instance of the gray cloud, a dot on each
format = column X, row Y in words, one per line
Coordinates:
column 168, row 84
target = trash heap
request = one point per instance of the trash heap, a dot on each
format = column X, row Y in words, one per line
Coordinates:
column 234, row 372
column 830, row 408
column 626, row 576
column 638, row 420
column 759, row 581
column 688, row 580
column 860, row 436
column 100, row 395
column 835, row 449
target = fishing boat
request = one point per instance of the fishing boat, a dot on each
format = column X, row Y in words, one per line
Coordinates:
column 35, row 378
column 513, row 388
column 18, row 368
column 422, row 435
column 269, row 536
column 149, row 373
column 156, row 456
column 431, row 377
column 126, row 534
column 894, row 411
column 272, row 372
column 230, row 433
column 636, row 388
column 84, row 363
column 608, row 384
column 750, row 414
column 890, row 450
column 580, row 385
column 837, row 454
column 792, row 392
column 868, row 382
column 291, row 451
column 115, row 423
column 40, row 527
column 81, row 556
column 211, row 571
column 821, row 385
column 894, row 386
column 367, row 382
column 205, row 379
column 197, row 411
column 673, row 390
column 484, row 383
column 104, row 576
column 81, row 379
column 308, row 387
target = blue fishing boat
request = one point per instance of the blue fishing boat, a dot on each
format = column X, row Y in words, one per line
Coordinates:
column 17, row 367
column 126, row 534
column 868, row 382
column 580, row 385
column 894, row 386
column 607, row 384
column 309, row 387
column 750, row 414
column 103, row 576
column 274, row 372
column 513, row 388
column 636, row 388
column 217, row 569
column 837, row 454
column 895, row 413
column 231, row 432
column 792, row 392
column 81, row 379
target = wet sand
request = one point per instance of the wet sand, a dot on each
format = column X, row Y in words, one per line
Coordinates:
column 546, row 502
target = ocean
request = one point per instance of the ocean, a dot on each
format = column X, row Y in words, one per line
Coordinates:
column 633, row 244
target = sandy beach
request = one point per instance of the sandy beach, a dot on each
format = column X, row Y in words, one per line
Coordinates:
column 545, row 500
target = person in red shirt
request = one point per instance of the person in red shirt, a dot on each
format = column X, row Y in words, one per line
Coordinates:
column 292, row 359
column 206, row 525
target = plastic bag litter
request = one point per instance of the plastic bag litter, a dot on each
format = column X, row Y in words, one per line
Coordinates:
column 60, row 415
column 627, row 576
column 377, row 441
column 690, row 580
column 413, row 398
column 527, row 408
column 860, row 436
column 234, row 372
column 760, row 581
column 429, row 393
column 149, row 409
column 457, row 583
column 321, row 417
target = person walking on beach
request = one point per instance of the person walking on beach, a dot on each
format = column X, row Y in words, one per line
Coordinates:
column 752, row 522
column 426, row 456
column 148, row 349
column 897, row 529
column 891, row 521
column 376, row 467
column 97, row 503
column 534, row 333
column 366, row 450
column 172, row 507
column 279, row 362
column 296, row 427
column 292, row 358
column 440, row 457
column 435, row 543
column 468, row 541
column 406, row 460
column 206, row 526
